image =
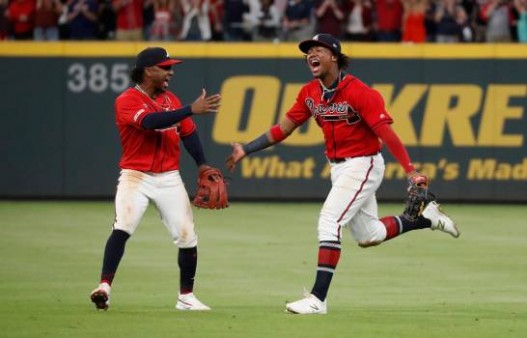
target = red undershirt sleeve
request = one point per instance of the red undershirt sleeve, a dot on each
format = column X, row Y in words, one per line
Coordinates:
column 394, row 145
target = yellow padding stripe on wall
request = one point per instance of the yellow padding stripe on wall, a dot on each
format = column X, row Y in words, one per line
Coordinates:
column 262, row 50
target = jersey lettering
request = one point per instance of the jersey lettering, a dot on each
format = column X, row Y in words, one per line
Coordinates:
column 336, row 111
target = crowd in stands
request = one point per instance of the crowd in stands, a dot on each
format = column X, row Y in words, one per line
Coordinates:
column 444, row 21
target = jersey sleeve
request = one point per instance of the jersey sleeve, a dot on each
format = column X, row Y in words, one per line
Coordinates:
column 372, row 109
column 130, row 110
column 299, row 112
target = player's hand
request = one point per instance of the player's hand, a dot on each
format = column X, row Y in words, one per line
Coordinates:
column 206, row 104
column 236, row 156
column 415, row 178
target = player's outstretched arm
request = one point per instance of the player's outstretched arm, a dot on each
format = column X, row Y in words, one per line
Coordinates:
column 276, row 134
column 206, row 104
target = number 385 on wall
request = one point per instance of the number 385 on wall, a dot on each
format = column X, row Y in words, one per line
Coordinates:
column 98, row 77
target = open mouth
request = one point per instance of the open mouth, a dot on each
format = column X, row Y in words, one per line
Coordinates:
column 314, row 63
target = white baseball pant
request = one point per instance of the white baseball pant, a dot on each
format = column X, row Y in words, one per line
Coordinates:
column 352, row 203
column 167, row 191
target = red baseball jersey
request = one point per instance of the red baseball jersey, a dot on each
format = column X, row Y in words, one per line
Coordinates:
column 347, row 119
column 149, row 150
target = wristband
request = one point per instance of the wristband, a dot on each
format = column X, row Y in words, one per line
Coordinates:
column 277, row 133
column 259, row 143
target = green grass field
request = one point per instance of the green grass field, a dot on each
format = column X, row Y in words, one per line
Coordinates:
column 254, row 258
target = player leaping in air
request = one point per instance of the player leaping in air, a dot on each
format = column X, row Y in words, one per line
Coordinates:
column 355, row 125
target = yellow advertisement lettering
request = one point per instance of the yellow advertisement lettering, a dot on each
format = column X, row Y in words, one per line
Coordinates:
column 492, row 169
column 453, row 106
column 275, row 167
column 262, row 108
column 496, row 112
column 252, row 104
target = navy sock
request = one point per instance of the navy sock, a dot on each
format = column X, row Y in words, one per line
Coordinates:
column 397, row 225
column 420, row 223
column 328, row 258
column 187, row 261
column 113, row 252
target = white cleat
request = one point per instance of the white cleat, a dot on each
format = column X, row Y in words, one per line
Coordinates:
column 189, row 302
column 440, row 220
column 309, row 305
column 101, row 296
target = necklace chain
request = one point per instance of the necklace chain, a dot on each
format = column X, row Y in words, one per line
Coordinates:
column 164, row 106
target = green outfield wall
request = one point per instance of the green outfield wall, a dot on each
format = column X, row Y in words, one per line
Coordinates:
column 460, row 110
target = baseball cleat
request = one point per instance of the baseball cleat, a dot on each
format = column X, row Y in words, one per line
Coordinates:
column 309, row 305
column 189, row 302
column 101, row 296
column 440, row 220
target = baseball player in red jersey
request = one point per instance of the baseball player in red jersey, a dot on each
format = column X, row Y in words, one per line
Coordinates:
column 355, row 125
column 151, row 122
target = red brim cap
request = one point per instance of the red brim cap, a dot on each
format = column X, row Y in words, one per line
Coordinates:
column 169, row 62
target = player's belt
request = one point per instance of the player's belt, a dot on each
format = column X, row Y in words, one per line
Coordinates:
column 337, row 160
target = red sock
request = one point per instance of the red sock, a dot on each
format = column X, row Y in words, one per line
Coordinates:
column 328, row 257
column 392, row 227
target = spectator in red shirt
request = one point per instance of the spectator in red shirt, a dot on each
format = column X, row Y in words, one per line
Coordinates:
column 21, row 14
column 414, row 21
column 329, row 15
column 129, row 20
column 47, row 20
column 389, row 20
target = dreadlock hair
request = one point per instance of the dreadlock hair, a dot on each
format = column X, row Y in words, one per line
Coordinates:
column 343, row 61
column 136, row 75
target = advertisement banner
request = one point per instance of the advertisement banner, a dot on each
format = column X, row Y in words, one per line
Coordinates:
column 460, row 110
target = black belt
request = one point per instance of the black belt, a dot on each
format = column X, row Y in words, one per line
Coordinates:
column 337, row 160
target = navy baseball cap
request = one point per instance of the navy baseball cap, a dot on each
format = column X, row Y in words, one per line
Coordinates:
column 324, row 40
column 154, row 56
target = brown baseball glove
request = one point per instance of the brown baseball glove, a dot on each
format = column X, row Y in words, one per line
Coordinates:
column 212, row 190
